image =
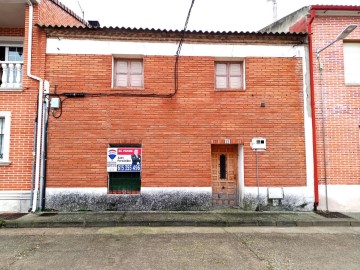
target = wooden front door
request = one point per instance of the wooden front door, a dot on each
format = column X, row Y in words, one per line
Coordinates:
column 224, row 174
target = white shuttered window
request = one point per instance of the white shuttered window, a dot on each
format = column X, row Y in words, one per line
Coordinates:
column 5, row 119
column 352, row 63
column 229, row 75
column 129, row 73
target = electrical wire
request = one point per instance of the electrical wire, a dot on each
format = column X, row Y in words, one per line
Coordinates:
column 176, row 68
column 176, row 79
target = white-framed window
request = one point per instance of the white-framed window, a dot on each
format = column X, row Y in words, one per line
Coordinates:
column 11, row 64
column 5, row 122
column 352, row 63
column 128, row 73
column 229, row 75
column 12, row 53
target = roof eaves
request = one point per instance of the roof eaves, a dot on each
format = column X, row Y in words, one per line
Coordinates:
column 111, row 28
column 336, row 7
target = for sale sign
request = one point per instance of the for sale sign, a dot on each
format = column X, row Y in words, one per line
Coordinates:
column 124, row 159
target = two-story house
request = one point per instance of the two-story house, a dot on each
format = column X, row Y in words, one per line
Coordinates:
column 22, row 72
column 134, row 125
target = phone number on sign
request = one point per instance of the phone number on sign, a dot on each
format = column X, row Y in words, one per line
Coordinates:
column 128, row 168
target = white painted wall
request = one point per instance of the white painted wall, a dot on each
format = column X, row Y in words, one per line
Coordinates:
column 344, row 198
column 130, row 48
column 14, row 201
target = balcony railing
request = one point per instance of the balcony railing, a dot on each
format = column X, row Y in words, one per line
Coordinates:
column 11, row 74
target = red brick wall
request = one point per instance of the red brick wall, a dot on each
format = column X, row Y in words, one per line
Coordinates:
column 176, row 133
column 342, row 103
column 12, row 32
column 22, row 106
column 54, row 13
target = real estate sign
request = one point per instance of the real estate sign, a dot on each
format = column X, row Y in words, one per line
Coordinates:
column 124, row 159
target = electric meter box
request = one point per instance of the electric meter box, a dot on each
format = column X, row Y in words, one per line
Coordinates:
column 258, row 143
column 55, row 103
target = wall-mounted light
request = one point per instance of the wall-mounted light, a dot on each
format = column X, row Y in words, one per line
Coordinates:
column 341, row 36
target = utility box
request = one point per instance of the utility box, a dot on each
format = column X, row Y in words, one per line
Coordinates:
column 55, row 103
column 258, row 143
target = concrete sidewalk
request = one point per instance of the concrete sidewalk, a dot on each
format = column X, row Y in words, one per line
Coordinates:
column 224, row 217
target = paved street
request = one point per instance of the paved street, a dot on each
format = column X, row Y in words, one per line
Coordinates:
column 181, row 248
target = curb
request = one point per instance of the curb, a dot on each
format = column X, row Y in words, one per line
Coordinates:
column 154, row 223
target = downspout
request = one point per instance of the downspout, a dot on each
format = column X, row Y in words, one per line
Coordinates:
column 43, row 152
column 313, row 119
column 40, row 108
column 33, row 166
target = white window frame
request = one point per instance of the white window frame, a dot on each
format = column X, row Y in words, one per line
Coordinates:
column 128, row 60
column 7, row 125
column 228, row 63
column 352, row 63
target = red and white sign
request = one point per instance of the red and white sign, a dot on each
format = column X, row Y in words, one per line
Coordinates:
column 124, row 159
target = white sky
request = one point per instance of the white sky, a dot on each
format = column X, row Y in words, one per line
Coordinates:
column 210, row 15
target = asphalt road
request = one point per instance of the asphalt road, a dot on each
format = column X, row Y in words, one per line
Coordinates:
column 181, row 248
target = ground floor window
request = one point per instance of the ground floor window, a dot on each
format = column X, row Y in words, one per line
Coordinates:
column 5, row 118
column 124, row 168
column 124, row 182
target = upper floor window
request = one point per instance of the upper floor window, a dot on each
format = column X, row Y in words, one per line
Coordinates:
column 229, row 75
column 128, row 73
column 11, row 54
column 5, row 118
column 352, row 63
column 11, row 64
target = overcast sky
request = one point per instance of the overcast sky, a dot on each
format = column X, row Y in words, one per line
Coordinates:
column 210, row 15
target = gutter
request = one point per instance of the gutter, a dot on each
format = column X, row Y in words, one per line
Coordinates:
column 313, row 119
column 39, row 110
column 330, row 7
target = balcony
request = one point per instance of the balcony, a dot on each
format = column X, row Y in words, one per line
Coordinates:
column 11, row 73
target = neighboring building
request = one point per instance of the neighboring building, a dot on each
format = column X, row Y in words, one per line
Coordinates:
column 20, row 79
column 335, row 86
column 189, row 124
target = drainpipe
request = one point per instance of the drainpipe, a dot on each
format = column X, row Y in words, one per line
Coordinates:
column 40, row 108
column 313, row 119
column 33, row 166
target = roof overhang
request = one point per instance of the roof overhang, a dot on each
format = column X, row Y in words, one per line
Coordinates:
column 331, row 10
column 140, row 34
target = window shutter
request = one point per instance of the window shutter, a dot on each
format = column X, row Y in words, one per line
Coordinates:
column 220, row 71
column 136, row 80
column 235, row 76
column 121, row 67
column 235, row 69
column 136, row 67
column 235, row 82
column 2, row 120
column 129, row 73
column 220, row 82
column 121, row 80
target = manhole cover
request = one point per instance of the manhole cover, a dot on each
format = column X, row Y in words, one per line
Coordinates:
column 9, row 216
column 48, row 214
column 331, row 214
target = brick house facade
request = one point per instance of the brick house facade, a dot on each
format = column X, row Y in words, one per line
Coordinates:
column 191, row 117
column 19, row 92
column 336, row 102
column 182, row 133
